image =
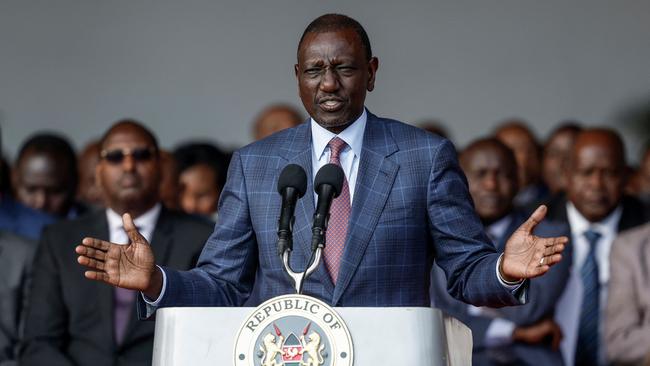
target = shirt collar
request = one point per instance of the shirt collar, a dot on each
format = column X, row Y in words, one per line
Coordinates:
column 143, row 222
column 579, row 224
column 352, row 135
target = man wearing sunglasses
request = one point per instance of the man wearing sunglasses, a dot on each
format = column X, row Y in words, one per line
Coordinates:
column 72, row 321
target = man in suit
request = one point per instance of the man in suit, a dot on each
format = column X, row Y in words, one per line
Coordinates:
column 72, row 321
column 596, row 211
column 522, row 335
column 404, row 200
column 627, row 327
column 518, row 137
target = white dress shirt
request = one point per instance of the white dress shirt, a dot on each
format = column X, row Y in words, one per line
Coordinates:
column 146, row 223
column 567, row 313
column 349, row 157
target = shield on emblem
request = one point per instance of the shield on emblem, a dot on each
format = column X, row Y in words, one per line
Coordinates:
column 292, row 351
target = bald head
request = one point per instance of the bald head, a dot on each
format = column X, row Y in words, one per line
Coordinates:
column 275, row 118
column 596, row 173
column 491, row 172
column 520, row 139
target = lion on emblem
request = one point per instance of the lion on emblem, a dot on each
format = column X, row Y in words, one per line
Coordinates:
column 270, row 347
column 313, row 348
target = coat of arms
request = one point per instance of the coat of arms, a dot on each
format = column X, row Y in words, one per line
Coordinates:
column 292, row 351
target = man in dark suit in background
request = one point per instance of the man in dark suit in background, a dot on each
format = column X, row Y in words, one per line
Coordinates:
column 596, row 210
column 72, row 321
column 521, row 335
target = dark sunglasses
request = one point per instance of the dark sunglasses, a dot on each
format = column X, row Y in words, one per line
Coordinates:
column 116, row 156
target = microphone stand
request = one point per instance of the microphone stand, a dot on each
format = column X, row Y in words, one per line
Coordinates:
column 300, row 277
column 285, row 245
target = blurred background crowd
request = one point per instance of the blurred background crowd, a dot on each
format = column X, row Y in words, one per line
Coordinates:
column 576, row 73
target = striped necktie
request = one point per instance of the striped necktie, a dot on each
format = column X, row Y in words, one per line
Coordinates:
column 588, row 333
column 337, row 229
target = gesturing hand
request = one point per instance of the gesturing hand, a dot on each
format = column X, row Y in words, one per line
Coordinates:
column 130, row 266
column 527, row 255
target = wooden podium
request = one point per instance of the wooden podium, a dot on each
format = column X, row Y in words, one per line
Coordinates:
column 380, row 336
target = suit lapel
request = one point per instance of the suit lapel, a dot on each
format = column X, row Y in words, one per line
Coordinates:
column 161, row 242
column 375, row 179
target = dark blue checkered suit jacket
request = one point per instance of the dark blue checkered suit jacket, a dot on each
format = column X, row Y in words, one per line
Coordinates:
column 411, row 203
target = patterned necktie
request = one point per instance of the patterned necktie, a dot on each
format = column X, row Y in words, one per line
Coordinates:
column 337, row 228
column 123, row 300
column 588, row 335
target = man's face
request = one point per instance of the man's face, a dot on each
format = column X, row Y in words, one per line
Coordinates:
column 132, row 181
column 526, row 153
column 492, row 182
column 333, row 77
column 595, row 179
column 556, row 156
column 42, row 183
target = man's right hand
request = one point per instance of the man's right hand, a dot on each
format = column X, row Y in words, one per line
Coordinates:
column 131, row 266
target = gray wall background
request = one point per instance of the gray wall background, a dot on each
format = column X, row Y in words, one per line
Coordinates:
column 204, row 69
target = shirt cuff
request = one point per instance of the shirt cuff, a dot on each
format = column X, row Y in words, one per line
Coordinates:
column 499, row 333
column 162, row 291
column 507, row 284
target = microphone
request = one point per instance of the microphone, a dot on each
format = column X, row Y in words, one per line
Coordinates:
column 292, row 185
column 328, row 185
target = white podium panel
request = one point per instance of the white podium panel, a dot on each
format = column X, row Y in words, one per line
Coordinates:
column 380, row 336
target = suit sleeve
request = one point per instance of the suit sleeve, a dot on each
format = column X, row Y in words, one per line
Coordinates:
column 462, row 248
column 627, row 330
column 46, row 319
column 225, row 271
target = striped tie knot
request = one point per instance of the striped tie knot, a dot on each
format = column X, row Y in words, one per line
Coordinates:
column 592, row 237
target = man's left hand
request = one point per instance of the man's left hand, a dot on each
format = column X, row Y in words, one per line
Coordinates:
column 527, row 255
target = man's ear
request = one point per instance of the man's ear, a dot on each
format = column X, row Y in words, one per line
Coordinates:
column 373, row 65
column 295, row 70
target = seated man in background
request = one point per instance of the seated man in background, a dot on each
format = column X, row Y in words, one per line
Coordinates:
column 274, row 118
column 45, row 176
column 520, row 139
column 522, row 335
column 627, row 324
column 555, row 156
column 73, row 321
column 596, row 211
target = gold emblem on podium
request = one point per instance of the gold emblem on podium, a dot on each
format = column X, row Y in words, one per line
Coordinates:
column 293, row 330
